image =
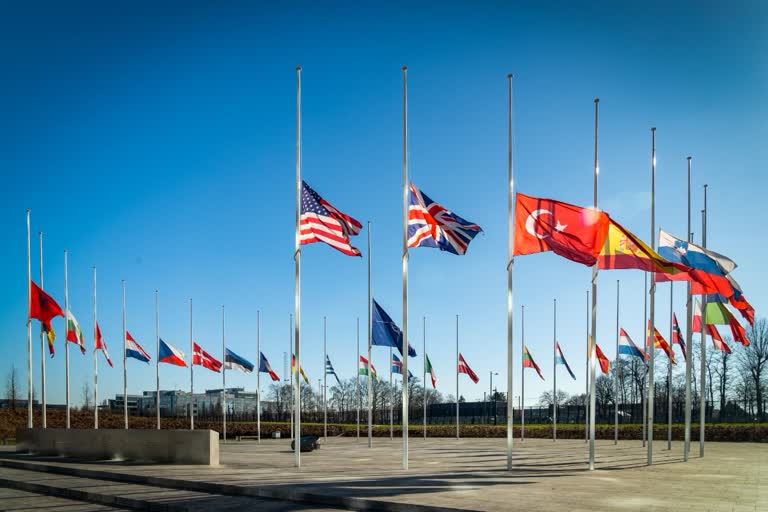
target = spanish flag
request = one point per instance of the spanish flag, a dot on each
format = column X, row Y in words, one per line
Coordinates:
column 624, row 250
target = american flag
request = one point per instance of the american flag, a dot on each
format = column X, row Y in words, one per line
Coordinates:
column 321, row 222
column 431, row 225
column 464, row 368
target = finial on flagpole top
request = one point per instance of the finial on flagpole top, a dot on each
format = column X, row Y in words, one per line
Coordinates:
column 509, row 75
column 653, row 129
column 405, row 68
column 298, row 68
column 690, row 158
column 597, row 100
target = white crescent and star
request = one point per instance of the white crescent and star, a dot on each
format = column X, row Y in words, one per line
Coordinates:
column 533, row 217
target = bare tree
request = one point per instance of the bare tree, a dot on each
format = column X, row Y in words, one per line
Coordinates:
column 12, row 386
column 545, row 398
column 721, row 371
column 86, row 396
column 754, row 360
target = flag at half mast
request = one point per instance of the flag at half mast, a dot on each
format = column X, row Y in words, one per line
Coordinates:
column 605, row 364
column 202, row 358
column 265, row 367
column 321, row 222
column 430, row 370
column 528, row 362
column 363, row 368
column 233, row 361
column 677, row 336
column 432, row 225
column 464, row 368
column 627, row 347
column 100, row 344
column 560, row 359
column 74, row 333
column 42, row 307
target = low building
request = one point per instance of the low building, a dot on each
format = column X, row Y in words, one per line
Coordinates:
column 177, row 403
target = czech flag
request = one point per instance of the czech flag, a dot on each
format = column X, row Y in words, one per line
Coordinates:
column 132, row 349
column 170, row 354
column 627, row 347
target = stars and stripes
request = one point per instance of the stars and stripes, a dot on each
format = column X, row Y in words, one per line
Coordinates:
column 321, row 222
column 432, row 225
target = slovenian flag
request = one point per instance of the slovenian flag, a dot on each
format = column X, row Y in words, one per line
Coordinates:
column 627, row 347
column 132, row 349
column 170, row 354
column 264, row 367
column 233, row 361
column 560, row 359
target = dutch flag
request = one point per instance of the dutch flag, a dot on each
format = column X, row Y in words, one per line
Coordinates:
column 132, row 349
column 627, row 347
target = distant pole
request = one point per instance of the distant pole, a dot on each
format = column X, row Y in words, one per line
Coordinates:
column 457, row 376
column 95, row 359
column 157, row 360
column 424, row 371
column 42, row 339
column 66, row 330
column 644, row 399
column 223, row 378
column 29, row 322
column 669, row 372
column 258, row 377
column 125, row 364
column 391, row 399
column 593, row 338
column 617, row 375
column 522, row 375
column 702, row 380
column 554, row 372
column 510, row 265
column 369, row 337
column 586, row 393
column 357, row 376
column 325, row 384
column 688, row 338
column 191, row 372
column 406, row 205
column 652, row 329
column 290, row 373
column 296, row 383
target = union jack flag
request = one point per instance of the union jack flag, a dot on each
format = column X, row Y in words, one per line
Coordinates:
column 321, row 222
column 431, row 225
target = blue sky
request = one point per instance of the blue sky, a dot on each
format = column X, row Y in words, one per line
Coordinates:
column 157, row 143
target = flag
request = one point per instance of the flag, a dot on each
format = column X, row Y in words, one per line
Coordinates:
column 677, row 336
column 134, row 350
column 301, row 370
column 659, row 342
column 233, row 361
column 265, row 367
column 696, row 316
column 627, row 347
column 397, row 367
column 717, row 312
column 430, row 371
column 386, row 333
column 560, row 359
column 464, row 368
column 363, row 368
column 170, row 354
column 74, row 333
column 528, row 362
column 329, row 369
column 321, row 222
column 569, row 231
column 101, row 344
column 605, row 364
column 717, row 340
column 202, row 358
column 743, row 307
column 432, row 225
column 739, row 334
column 708, row 269
column 624, row 250
column 42, row 307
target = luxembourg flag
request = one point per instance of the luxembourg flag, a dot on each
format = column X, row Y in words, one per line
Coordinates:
column 627, row 347
column 132, row 349
column 170, row 354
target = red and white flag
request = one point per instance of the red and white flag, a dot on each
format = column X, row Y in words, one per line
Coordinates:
column 100, row 344
column 202, row 358
column 464, row 368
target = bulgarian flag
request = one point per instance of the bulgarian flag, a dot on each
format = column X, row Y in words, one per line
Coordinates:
column 74, row 333
column 431, row 371
column 363, row 368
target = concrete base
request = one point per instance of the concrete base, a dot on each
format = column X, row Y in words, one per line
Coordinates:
column 165, row 446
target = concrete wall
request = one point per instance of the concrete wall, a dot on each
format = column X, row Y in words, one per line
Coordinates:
column 165, row 446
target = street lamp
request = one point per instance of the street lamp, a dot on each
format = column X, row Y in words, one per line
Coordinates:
column 491, row 397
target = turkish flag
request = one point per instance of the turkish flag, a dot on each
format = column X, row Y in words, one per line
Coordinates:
column 575, row 233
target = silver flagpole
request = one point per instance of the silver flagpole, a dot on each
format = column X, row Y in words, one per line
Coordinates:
column 586, row 393
column 157, row 361
column 258, row 377
column 325, row 384
column 669, row 372
column 66, row 330
column 510, row 265
column 405, row 265
column 125, row 364
column 369, row 337
column 593, row 338
column 652, row 333
column 424, row 371
column 702, row 380
column 29, row 323
column 457, row 376
column 290, row 373
column 223, row 377
column 644, row 400
column 616, row 375
column 391, row 400
column 554, row 372
column 522, row 376
column 95, row 360
column 296, row 383
column 688, row 338
column 42, row 338
column 191, row 372
column 357, row 377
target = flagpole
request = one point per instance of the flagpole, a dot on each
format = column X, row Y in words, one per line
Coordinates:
column 157, row 361
column 703, row 399
column 66, row 331
column 125, row 364
column 586, row 393
column 297, row 291
column 357, row 376
column 617, row 375
column 223, row 378
column 510, row 265
column 29, row 322
column 669, row 373
column 290, row 374
column 457, row 376
column 325, row 385
column 391, row 400
column 688, row 338
column 369, row 336
column 405, row 266
column 645, row 364
column 424, row 371
column 258, row 377
column 95, row 360
column 652, row 330
column 522, row 376
column 593, row 338
column 42, row 339
column 554, row 372
column 191, row 372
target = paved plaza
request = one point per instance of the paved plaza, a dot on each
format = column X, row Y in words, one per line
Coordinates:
column 465, row 474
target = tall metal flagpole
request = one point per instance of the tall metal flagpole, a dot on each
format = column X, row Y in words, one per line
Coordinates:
column 223, row 378
column 652, row 330
column 95, row 360
column 702, row 380
column 357, row 376
column 405, row 265
column 258, row 377
column 191, row 372
column 644, row 398
column 669, row 373
column 369, row 337
column 586, row 393
column 296, row 383
column 593, row 338
column 688, row 339
column 29, row 323
column 42, row 338
column 325, row 385
column 157, row 361
column 125, row 365
column 66, row 329
column 290, row 374
column 391, row 400
column 510, row 265
column 424, row 371
column 554, row 372
column 617, row 375
column 457, row 376
column 522, row 376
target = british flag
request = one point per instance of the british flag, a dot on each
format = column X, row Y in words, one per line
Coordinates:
column 431, row 225
column 321, row 222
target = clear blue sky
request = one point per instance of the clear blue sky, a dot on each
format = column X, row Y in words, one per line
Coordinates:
column 157, row 143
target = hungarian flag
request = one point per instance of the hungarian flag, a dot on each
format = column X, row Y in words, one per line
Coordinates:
column 605, row 364
column 677, row 336
column 569, row 231
column 464, row 368
column 100, row 344
column 74, row 333
column 659, row 342
column 430, row 371
column 363, row 368
column 42, row 307
column 301, row 369
column 265, row 367
column 717, row 340
column 528, row 362
column 202, row 358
